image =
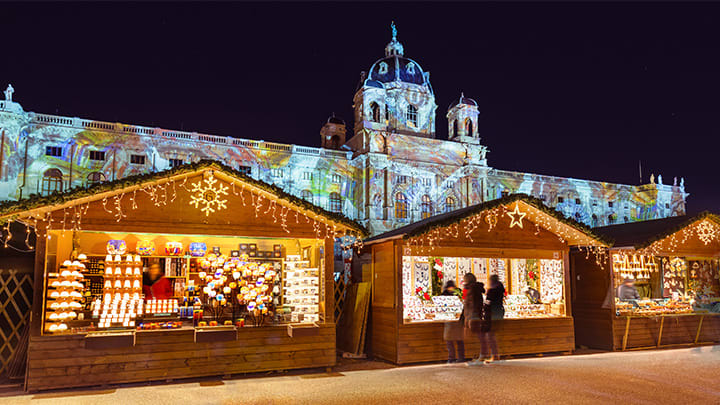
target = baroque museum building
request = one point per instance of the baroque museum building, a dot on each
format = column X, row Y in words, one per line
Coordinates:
column 390, row 171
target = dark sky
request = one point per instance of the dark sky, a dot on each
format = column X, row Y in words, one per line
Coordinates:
column 568, row 89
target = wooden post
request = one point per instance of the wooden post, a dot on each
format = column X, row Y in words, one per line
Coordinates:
column 38, row 284
column 627, row 330
column 697, row 335
column 329, row 255
column 662, row 323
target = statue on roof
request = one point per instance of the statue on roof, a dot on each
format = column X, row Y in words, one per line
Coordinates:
column 652, row 178
column 9, row 92
column 394, row 30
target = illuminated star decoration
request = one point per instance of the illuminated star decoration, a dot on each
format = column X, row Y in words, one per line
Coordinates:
column 516, row 216
column 706, row 232
column 208, row 195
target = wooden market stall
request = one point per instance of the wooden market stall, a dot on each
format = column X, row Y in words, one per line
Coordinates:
column 246, row 274
column 673, row 264
column 517, row 237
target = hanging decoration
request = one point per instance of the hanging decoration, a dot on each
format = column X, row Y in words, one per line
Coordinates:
column 516, row 216
column 707, row 232
column 208, row 194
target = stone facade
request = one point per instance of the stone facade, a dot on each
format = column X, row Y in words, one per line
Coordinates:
column 392, row 170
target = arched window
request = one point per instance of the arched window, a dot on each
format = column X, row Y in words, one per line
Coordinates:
column 469, row 127
column 449, row 204
column 594, row 220
column 306, row 195
column 95, row 177
column 52, row 181
column 455, row 128
column 626, row 220
column 611, row 219
column 401, row 207
column 425, row 207
column 374, row 112
column 412, row 117
column 335, row 202
column 335, row 142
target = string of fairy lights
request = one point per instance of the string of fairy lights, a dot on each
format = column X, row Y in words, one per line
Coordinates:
column 428, row 241
column 208, row 195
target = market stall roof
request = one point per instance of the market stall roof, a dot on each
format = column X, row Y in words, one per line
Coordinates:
column 536, row 210
column 642, row 234
column 38, row 205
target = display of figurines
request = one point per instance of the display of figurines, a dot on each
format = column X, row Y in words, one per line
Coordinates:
column 122, row 292
column 64, row 296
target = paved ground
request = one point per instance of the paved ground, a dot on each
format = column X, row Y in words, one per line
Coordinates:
column 680, row 376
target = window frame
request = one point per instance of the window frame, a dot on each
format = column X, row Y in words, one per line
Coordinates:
column 411, row 115
column 53, row 151
column 134, row 156
column 401, row 206
column 96, row 155
column 426, row 207
column 335, row 202
column 49, row 180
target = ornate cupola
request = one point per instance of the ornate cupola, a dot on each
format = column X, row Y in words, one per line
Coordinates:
column 462, row 118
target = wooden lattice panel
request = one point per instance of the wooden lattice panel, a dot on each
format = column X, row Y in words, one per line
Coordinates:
column 15, row 305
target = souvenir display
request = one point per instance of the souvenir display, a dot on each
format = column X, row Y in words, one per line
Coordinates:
column 64, row 296
column 173, row 248
column 407, row 280
column 301, row 290
column 447, row 307
column 551, row 281
column 198, row 249
column 167, row 306
column 116, row 247
column 423, row 304
column 145, row 247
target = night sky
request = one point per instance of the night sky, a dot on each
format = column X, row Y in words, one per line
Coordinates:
column 574, row 90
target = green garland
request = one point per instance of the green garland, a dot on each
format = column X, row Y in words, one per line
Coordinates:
column 446, row 220
column 11, row 209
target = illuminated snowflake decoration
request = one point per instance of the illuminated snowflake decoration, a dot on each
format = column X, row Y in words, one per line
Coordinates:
column 706, row 232
column 208, row 196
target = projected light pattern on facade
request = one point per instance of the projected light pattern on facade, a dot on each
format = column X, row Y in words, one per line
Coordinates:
column 391, row 172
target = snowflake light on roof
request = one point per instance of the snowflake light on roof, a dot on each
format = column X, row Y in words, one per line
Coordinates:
column 208, row 194
column 706, row 232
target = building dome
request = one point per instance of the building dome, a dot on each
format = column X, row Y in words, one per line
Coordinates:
column 463, row 101
column 335, row 120
column 395, row 67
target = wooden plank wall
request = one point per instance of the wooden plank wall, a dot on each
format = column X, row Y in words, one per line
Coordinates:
column 424, row 342
column 590, row 282
column 679, row 330
column 383, row 309
column 63, row 361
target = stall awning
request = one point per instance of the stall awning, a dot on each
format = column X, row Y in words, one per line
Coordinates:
column 530, row 208
column 167, row 184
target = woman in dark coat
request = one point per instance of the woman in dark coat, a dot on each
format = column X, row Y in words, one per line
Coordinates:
column 494, row 313
column 473, row 311
column 453, row 333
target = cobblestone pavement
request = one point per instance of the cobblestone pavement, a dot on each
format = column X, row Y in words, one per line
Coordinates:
column 679, row 376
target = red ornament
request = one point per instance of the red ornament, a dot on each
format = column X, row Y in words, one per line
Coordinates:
column 426, row 296
column 440, row 274
column 417, row 290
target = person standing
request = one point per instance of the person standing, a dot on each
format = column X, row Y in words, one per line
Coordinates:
column 627, row 291
column 155, row 285
column 494, row 313
column 454, row 333
column 473, row 312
